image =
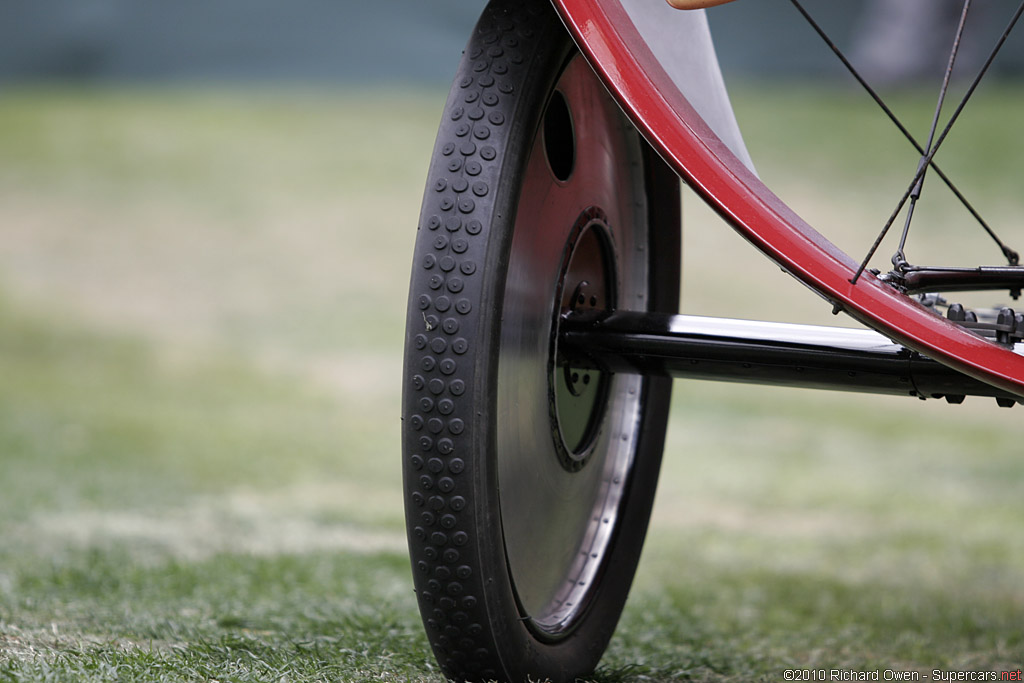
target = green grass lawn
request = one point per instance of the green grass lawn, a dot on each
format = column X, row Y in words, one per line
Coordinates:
column 201, row 309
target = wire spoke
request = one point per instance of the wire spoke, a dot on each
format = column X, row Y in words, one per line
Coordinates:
column 1011, row 255
column 938, row 143
column 899, row 259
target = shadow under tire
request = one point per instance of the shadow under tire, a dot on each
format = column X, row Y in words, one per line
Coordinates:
column 529, row 482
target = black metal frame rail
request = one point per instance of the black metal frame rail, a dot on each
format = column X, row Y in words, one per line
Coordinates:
column 754, row 352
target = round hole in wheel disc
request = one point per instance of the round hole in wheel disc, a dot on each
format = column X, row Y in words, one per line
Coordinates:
column 559, row 142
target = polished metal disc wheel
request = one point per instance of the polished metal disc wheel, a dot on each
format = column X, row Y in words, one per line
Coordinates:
column 529, row 476
column 566, row 433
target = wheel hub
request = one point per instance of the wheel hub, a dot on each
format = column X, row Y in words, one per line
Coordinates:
column 578, row 395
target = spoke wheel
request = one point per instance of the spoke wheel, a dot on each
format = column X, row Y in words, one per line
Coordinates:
column 529, row 481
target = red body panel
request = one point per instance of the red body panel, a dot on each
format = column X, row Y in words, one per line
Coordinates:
column 606, row 35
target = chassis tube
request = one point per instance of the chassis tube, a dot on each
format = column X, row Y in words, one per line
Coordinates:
column 781, row 354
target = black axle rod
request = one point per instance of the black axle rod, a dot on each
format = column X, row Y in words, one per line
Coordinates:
column 760, row 353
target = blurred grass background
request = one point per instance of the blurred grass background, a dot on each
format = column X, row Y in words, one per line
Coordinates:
column 202, row 295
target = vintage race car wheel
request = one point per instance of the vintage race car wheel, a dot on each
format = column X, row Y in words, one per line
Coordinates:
column 528, row 481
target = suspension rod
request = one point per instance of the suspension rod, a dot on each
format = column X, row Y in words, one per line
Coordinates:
column 781, row 354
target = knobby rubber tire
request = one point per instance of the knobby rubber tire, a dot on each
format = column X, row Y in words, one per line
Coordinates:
column 475, row 622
